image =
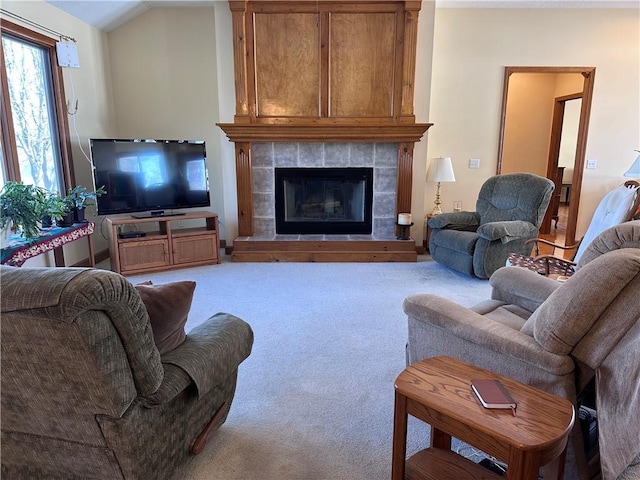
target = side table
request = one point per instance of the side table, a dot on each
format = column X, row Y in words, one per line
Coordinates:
column 437, row 391
column 427, row 232
column 20, row 250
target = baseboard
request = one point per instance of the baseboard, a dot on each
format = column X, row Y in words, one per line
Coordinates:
column 99, row 257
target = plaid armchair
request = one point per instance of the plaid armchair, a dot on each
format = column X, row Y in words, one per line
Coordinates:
column 85, row 392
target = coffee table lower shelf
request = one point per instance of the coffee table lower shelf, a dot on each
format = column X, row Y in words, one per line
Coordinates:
column 438, row 463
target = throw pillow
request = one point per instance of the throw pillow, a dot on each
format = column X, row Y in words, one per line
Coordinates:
column 168, row 307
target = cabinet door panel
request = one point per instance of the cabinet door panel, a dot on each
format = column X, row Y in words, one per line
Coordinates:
column 139, row 255
column 287, row 58
column 362, row 64
column 201, row 248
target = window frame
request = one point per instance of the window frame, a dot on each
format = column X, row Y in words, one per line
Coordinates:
column 9, row 149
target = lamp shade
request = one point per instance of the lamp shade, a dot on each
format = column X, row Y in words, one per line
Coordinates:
column 634, row 170
column 441, row 170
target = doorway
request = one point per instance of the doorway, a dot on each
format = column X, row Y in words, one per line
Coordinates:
column 562, row 161
column 536, row 105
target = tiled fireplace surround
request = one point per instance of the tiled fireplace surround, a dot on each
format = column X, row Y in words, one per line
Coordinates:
column 266, row 156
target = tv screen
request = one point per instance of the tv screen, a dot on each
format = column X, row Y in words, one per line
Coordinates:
column 150, row 175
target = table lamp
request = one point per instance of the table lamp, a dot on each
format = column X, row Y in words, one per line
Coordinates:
column 440, row 170
column 634, row 170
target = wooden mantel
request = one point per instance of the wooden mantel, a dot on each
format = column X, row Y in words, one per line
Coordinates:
column 323, row 71
column 248, row 132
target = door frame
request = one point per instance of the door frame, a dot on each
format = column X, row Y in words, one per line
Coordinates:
column 557, row 125
column 588, row 74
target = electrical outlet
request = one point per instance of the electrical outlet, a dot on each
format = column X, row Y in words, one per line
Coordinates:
column 181, row 223
column 474, row 163
column 592, row 163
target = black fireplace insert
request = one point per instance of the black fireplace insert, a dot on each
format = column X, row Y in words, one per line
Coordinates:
column 324, row 200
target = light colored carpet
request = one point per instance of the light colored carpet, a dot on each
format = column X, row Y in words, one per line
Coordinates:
column 315, row 399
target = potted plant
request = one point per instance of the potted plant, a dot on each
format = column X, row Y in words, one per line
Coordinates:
column 56, row 209
column 22, row 208
column 79, row 198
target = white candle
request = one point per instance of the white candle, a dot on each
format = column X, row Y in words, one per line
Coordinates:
column 404, row 219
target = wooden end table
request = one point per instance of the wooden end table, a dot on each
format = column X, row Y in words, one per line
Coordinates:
column 437, row 391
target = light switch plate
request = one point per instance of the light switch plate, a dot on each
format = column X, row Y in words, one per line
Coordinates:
column 474, row 163
column 592, row 163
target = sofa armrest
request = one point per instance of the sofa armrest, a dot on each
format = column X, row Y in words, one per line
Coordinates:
column 213, row 350
column 174, row 382
column 522, row 287
column 455, row 221
column 507, row 231
column 476, row 338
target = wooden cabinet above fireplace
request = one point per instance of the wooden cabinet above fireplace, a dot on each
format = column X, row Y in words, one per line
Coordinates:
column 324, row 62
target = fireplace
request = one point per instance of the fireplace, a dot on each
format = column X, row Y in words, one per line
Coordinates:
column 323, row 200
column 340, row 97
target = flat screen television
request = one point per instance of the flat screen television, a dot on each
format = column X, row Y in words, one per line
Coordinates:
column 150, row 175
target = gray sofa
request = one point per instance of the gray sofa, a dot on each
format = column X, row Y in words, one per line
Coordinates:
column 509, row 211
column 85, row 392
column 555, row 336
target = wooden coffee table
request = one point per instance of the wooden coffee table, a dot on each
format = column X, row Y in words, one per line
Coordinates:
column 437, row 391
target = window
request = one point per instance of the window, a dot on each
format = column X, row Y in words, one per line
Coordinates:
column 35, row 144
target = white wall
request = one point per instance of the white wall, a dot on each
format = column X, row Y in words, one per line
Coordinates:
column 91, row 84
column 227, row 104
column 164, row 79
column 471, row 49
column 422, row 105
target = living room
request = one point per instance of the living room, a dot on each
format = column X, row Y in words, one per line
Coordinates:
column 168, row 73
column 127, row 87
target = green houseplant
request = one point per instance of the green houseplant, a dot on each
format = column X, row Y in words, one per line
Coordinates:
column 56, row 209
column 79, row 198
column 22, row 208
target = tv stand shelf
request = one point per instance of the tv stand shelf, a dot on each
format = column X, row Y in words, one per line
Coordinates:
column 167, row 247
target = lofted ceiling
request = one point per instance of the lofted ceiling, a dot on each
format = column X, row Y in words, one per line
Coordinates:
column 109, row 14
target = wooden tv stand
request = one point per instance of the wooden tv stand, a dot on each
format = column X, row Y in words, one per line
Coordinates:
column 166, row 247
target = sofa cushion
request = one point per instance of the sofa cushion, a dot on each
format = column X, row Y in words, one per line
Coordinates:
column 571, row 311
column 507, row 231
column 510, row 315
column 456, row 241
column 168, row 307
column 617, row 206
column 623, row 235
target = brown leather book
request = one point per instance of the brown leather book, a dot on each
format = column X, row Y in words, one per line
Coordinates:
column 492, row 394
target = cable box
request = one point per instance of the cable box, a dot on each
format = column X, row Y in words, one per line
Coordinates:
column 132, row 235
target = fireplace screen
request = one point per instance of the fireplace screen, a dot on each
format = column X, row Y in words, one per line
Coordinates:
column 324, row 200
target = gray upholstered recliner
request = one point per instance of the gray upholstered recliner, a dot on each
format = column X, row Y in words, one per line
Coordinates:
column 85, row 392
column 555, row 336
column 509, row 211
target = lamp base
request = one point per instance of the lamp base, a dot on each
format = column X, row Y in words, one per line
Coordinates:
column 437, row 210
